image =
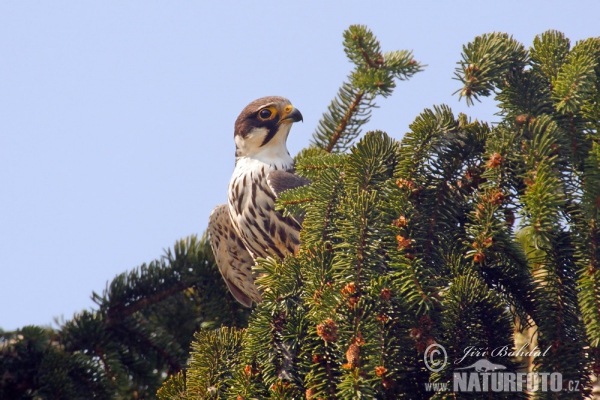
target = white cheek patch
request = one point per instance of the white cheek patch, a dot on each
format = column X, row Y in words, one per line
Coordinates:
column 253, row 140
column 239, row 142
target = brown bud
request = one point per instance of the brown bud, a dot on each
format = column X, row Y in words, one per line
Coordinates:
column 279, row 386
column 402, row 242
column 380, row 370
column 317, row 358
column 497, row 198
column 403, row 183
column 328, row 330
column 479, row 257
column 349, row 289
column 426, row 321
column 352, row 354
column 471, row 68
column 310, row 393
column 481, row 208
column 487, row 242
column 400, row 222
column 415, row 333
column 521, row 119
column 494, row 161
column 352, row 302
column 360, row 340
column 386, row 294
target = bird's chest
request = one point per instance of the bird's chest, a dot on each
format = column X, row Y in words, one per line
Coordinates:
column 263, row 230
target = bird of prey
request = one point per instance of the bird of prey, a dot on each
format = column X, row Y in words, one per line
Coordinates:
column 248, row 226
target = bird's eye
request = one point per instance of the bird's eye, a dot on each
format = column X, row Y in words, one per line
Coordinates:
column 265, row 114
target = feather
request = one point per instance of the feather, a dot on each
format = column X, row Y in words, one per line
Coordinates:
column 234, row 261
column 280, row 181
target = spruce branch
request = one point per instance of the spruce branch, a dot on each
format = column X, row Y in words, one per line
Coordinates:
column 484, row 63
column 144, row 333
column 373, row 75
column 588, row 249
column 574, row 84
column 119, row 312
column 362, row 47
column 343, row 124
column 549, row 52
column 403, row 245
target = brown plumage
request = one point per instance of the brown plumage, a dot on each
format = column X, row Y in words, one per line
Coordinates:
column 248, row 226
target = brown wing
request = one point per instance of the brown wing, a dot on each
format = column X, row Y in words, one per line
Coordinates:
column 233, row 260
column 280, row 181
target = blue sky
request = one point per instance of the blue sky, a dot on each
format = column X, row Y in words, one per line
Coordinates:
column 116, row 117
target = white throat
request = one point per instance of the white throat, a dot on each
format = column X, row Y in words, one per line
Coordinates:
column 274, row 153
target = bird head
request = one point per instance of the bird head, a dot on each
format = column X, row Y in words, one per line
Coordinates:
column 262, row 128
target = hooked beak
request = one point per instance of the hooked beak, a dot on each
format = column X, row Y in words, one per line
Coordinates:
column 293, row 115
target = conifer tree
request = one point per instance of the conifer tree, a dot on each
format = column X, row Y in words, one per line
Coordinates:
column 413, row 243
column 140, row 333
column 461, row 234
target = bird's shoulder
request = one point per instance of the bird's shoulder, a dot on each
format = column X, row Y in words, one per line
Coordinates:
column 281, row 180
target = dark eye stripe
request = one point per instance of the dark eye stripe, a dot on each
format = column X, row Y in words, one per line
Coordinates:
column 272, row 131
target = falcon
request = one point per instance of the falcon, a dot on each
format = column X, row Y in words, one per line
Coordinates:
column 248, row 226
